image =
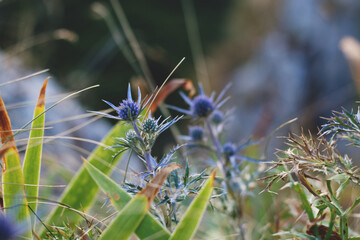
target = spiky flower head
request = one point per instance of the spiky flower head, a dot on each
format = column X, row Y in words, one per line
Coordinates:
column 196, row 133
column 150, row 125
column 202, row 106
column 128, row 110
column 217, row 117
column 131, row 136
column 229, row 149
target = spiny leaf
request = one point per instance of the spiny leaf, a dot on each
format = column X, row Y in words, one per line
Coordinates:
column 191, row 219
column 154, row 185
column 32, row 160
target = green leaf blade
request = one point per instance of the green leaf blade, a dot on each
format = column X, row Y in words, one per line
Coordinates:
column 81, row 191
column 149, row 228
column 32, row 159
column 14, row 198
column 15, row 202
column 191, row 219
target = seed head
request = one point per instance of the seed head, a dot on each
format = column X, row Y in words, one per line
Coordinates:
column 196, row 133
column 202, row 106
column 128, row 110
column 217, row 117
column 150, row 126
column 131, row 136
column 229, row 149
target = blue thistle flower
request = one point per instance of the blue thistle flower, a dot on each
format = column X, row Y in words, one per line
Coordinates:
column 8, row 230
column 196, row 133
column 217, row 117
column 229, row 149
column 128, row 110
column 131, row 136
column 202, row 106
column 150, row 125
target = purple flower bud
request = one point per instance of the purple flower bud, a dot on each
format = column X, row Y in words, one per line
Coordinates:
column 202, row 106
column 196, row 133
column 128, row 110
column 217, row 117
column 229, row 149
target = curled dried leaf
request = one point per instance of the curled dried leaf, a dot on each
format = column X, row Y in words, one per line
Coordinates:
column 170, row 87
column 5, row 125
column 153, row 187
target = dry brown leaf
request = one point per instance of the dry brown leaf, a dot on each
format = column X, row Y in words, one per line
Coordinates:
column 170, row 87
column 322, row 232
column 153, row 187
column 41, row 99
column 6, row 134
column 5, row 125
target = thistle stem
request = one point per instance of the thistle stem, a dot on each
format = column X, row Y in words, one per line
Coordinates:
column 147, row 156
column 136, row 129
column 221, row 164
column 331, row 224
column 147, row 153
column 215, row 141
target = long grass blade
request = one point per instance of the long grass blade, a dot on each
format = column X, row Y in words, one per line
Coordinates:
column 32, row 160
column 191, row 219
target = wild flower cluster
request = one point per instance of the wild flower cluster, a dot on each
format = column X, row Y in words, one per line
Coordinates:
column 205, row 136
column 144, row 132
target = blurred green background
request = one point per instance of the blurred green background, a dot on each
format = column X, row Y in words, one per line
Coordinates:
column 277, row 53
column 86, row 53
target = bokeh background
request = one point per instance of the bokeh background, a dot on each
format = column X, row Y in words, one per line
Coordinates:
column 282, row 57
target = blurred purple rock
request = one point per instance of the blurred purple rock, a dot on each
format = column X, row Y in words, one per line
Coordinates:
column 20, row 99
column 299, row 71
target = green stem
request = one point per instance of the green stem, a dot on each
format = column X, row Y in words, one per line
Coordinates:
column 147, row 153
column 331, row 224
column 306, row 205
column 344, row 231
column 215, row 141
column 127, row 165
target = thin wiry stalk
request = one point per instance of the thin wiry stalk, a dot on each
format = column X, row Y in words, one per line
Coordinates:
column 24, row 78
column 135, row 46
column 127, row 165
column 193, row 34
column 147, row 153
